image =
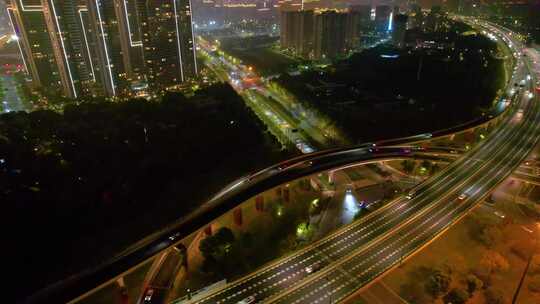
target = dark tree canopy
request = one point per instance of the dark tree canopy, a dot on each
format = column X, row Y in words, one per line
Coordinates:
column 102, row 175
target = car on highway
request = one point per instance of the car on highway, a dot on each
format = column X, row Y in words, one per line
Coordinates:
column 248, row 300
column 148, row 295
column 499, row 214
column 312, row 268
column 462, row 197
column 174, row 236
column 411, row 194
column 368, row 145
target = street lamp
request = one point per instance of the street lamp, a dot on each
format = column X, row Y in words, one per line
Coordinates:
column 514, row 299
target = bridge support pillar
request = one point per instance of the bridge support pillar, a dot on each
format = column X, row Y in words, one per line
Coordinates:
column 237, row 216
column 121, row 283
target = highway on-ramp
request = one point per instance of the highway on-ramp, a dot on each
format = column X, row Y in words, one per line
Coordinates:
column 378, row 241
column 355, row 255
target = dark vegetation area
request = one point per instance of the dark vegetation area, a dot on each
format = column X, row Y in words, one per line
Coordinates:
column 81, row 186
column 386, row 92
column 257, row 52
column 265, row 60
column 229, row 256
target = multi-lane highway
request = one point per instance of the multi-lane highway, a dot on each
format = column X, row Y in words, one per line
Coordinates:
column 287, row 119
column 470, row 181
column 354, row 256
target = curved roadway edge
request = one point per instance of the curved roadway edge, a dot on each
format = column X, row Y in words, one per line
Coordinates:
column 75, row 287
column 509, row 147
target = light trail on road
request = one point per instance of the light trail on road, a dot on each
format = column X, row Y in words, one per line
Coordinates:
column 402, row 227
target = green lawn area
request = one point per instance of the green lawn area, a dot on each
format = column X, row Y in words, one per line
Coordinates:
column 265, row 60
column 354, row 175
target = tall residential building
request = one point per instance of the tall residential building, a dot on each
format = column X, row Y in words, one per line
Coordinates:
column 187, row 39
column 399, row 30
column 382, row 18
column 34, row 43
column 66, row 37
column 118, row 58
column 455, row 6
column 433, row 19
column 104, row 47
column 167, row 38
column 286, row 28
column 416, row 18
column 329, row 34
column 322, row 34
column 297, row 31
column 358, row 21
column 353, row 30
column 363, row 11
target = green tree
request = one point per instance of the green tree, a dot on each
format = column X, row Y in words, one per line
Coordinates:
column 414, row 292
column 427, row 165
column 247, row 240
column 490, row 235
column 535, row 264
column 494, row 296
column 217, row 246
column 473, row 283
column 534, row 283
column 408, row 166
column 493, row 261
column 438, row 283
column 456, row 296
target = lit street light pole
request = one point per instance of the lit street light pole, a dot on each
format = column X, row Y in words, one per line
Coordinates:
column 516, row 294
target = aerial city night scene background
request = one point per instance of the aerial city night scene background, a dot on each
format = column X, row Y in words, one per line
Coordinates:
column 270, row 151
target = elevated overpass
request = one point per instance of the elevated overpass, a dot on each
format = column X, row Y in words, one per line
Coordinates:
column 355, row 255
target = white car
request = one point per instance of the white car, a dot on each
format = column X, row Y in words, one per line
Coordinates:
column 462, row 197
column 313, row 268
column 148, row 295
column 248, row 300
column 174, row 236
column 500, row 214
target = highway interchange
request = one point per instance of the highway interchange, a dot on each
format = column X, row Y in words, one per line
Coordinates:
column 357, row 254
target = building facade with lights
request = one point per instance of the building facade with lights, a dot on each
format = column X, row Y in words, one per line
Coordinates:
column 29, row 26
column 105, row 47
